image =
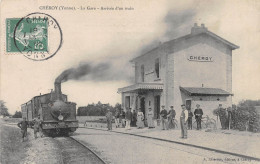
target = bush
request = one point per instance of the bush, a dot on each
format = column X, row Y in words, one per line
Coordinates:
column 17, row 114
column 245, row 118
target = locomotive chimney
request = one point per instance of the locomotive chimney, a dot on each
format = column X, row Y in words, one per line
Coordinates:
column 57, row 86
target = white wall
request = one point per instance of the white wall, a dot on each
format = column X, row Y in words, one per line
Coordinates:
column 194, row 74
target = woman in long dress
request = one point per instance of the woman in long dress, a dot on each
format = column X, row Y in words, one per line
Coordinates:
column 171, row 117
column 140, row 118
column 150, row 118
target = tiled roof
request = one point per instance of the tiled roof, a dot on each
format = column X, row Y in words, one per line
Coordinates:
column 192, row 91
column 142, row 86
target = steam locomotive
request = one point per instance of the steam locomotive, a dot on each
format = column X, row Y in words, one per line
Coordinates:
column 58, row 116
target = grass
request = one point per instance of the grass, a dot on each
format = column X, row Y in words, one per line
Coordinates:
column 12, row 149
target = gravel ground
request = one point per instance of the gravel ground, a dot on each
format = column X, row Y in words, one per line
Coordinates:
column 120, row 148
column 42, row 151
column 12, row 149
column 58, row 150
column 73, row 152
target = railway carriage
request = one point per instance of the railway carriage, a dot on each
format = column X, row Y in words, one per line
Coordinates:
column 56, row 113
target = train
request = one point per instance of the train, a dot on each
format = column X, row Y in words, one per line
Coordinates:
column 57, row 114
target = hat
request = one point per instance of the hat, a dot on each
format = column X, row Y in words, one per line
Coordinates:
column 183, row 105
column 171, row 106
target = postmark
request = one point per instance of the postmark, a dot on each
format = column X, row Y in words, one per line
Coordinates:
column 37, row 36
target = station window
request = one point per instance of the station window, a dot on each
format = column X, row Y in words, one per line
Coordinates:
column 157, row 68
column 142, row 73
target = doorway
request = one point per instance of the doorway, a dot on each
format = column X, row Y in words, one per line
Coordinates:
column 157, row 107
column 142, row 105
column 127, row 102
column 188, row 104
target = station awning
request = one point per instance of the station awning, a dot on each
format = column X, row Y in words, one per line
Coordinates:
column 141, row 86
column 193, row 91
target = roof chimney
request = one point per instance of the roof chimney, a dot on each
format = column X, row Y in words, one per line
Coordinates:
column 198, row 29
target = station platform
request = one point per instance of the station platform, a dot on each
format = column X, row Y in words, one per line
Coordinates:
column 235, row 142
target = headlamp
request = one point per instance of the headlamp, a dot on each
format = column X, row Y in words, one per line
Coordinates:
column 60, row 117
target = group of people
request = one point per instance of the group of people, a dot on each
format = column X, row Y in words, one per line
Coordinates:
column 136, row 119
column 167, row 118
column 23, row 125
column 129, row 119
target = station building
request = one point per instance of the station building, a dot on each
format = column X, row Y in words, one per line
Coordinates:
column 193, row 69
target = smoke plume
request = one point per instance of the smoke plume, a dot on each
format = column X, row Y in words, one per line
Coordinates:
column 178, row 24
column 94, row 72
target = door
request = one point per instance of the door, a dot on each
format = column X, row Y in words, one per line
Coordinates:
column 188, row 104
column 127, row 102
column 143, row 105
column 156, row 107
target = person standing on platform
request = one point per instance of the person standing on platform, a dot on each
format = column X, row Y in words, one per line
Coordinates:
column 122, row 115
column 128, row 117
column 117, row 115
column 23, row 126
column 134, row 118
column 109, row 117
column 37, row 126
column 150, row 118
column 163, row 115
column 140, row 119
column 171, row 116
column 190, row 119
column 228, row 121
column 183, row 122
column 198, row 116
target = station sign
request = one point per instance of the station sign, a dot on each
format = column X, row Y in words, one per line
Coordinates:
column 200, row 58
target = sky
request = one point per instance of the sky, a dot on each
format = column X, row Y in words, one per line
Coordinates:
column 112, row 38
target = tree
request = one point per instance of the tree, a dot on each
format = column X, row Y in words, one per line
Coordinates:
column 3, row 109
column 17, row 114
column 98, row 109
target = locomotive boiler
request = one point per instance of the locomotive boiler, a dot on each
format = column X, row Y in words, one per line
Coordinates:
column 57, row 114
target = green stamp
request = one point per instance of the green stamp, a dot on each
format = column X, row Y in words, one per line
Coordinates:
column 27, row 35
column 38, row 36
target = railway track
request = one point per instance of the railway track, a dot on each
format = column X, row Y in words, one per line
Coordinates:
column 246, row 157
column 73, row 151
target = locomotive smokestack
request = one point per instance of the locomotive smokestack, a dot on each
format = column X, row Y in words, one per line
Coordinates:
column 57, row 86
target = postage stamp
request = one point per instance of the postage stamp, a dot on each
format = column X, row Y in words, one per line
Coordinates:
column 37, row 36
column 31, row 35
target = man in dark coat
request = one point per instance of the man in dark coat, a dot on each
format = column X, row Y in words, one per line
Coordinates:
column 198, row 115
column 23, row 125
column 222, row 112
column 128, row 118
column 134, row 118
column 163, row 115
column 171, row 116
column 190, row 115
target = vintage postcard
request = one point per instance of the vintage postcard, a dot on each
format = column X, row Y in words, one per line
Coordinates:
column 129, row 81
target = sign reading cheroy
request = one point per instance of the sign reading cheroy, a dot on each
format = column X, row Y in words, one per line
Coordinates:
column 200, row 58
